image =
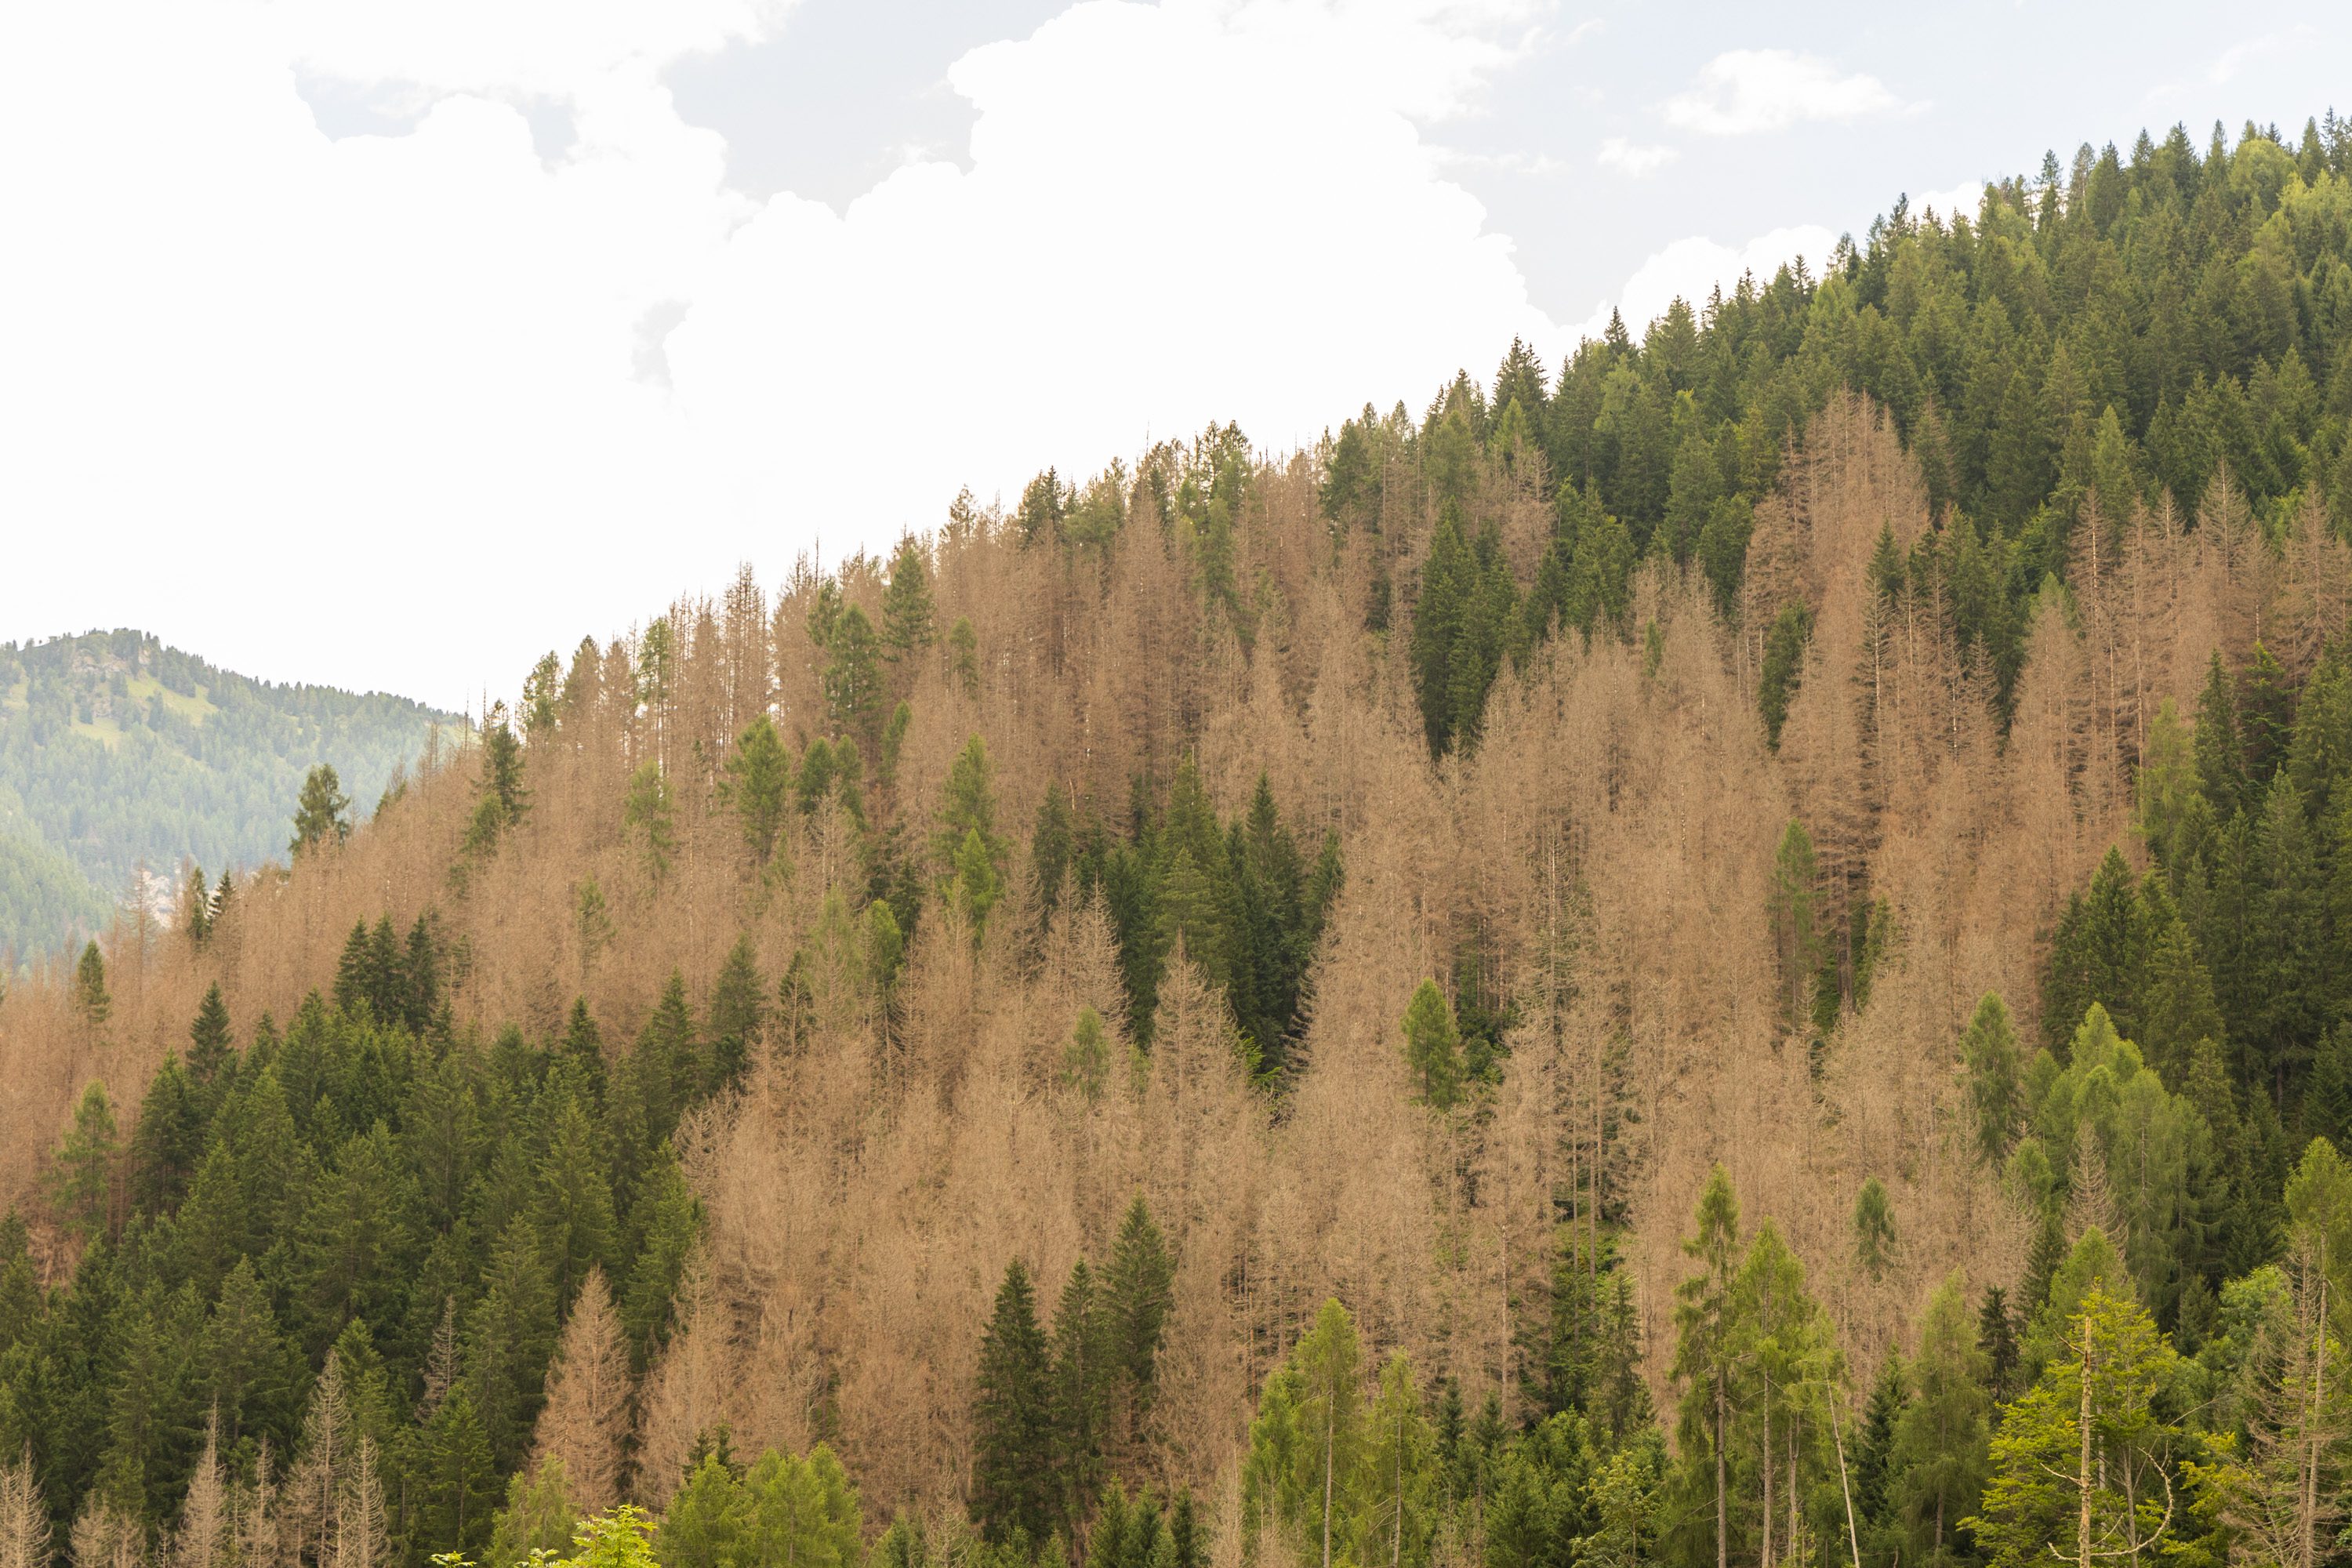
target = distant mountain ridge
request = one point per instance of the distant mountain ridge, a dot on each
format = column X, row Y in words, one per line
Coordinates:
column 119, row 752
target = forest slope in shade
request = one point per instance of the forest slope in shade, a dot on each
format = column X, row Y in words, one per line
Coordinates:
column 118, row 757
column 1688, row 961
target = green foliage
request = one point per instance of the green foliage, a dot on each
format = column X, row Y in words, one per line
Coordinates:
column 907, row 626
column 1704, row 1359
column 1782, row 670
column 1309, row 1438
column 501, row 799
column 273, row 1244
column 91, row 1001
column 1141, row 1292
column 1086, row 1059
column 538, row 1518
column 45, row 897
column 1796, row 935
column 2078, row 1461
column 1432, row 1047
column 79, row 1181
column 853, row 684
column 738, row 1008
column 1874, row 1227
column 759, row 781
column 1941, row 1450
column 647, row 813
column 965, row 659
column 977, row 886
column 1054, row 1415
column 319, row 814
column 1013, row 1480
column 2106, row 1119
column 1050, row 848
column 1249, row 908
column 117, row 751
column 1995, row 1077
column 803, row 1512
column 707, row 1521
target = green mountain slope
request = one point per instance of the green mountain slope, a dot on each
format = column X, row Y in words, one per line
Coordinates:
column 117, row 751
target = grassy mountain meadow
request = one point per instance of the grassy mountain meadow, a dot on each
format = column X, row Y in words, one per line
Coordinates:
column 119, row 756
column 1734, row 950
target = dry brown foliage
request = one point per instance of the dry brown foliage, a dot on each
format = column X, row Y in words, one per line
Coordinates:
column 1605, row 855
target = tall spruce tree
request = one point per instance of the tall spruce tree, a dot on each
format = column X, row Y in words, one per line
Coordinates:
column 1432, row 1047
column 2219, row 748
column 758, row 781
column 1013, row 1448
column 1141, row 1293
column 1448, row 583
column 319, row 814
column 210, row 1042
column 738, row 1008
column 907, row 624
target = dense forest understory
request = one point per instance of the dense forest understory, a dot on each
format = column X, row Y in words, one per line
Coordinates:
column 1737, row 954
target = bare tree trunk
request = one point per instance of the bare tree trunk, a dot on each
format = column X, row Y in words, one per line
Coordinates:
column 2083, row 1480
column 1796, row 1544
column 1722, row 1544
column 2306, row 1526
column 1853, row 1536
column 1330, row 1418
column 1396, row 1539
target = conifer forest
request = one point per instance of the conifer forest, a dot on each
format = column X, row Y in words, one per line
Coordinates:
column 1736, row 951
column 119, row 756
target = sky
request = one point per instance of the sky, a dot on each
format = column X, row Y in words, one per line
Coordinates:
column 392, row 344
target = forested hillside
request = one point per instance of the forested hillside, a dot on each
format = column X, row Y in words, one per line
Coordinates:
column 1735, row 954
column 119, row 753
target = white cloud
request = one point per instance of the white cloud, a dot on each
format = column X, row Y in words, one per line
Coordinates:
column 2233, row 59
column 549, row 47
column 405, row 410
column 1962, row 201
column 1623, row 156
column 1689, row 269
column 1744, row 91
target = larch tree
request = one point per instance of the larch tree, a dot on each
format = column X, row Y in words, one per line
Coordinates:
column 1393, row 1491
column 1940, row 1442
column 2081, row 1465
column 540, row 1514
column 1705, row 1354
column 1331, row 1410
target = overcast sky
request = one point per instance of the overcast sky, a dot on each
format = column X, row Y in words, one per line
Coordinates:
column 392, row 344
